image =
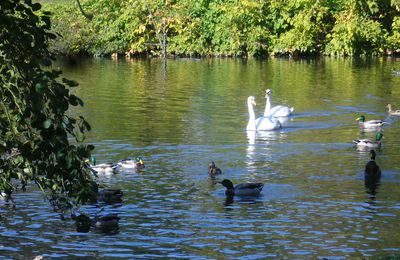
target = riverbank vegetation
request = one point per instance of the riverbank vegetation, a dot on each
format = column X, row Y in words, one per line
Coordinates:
column 228, row 28
column 40, row 142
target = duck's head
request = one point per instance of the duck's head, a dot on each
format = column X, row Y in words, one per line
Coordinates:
column 227, row 184
column 212, row 165
column 92, row 160
column 378, row 136
column 361, row 118
column 82, row 222
column 268, row 93
column 372, row 154
column 139, row 161
column 251, row 100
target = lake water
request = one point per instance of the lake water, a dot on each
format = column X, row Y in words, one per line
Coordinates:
column 314, row 203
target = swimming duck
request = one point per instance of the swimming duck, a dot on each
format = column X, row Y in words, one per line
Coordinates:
column 110, row 195
column 370, row 123
column 213, row 169
column 395, row 72
column 261, row 123
column 368, row 143
column 392, row 112
column 372, row 175
column 82, row 222
column 102, row 168
column 105, row 223
column 137, row 163
column 243, row 189
column 372, row 169
column 276, row 111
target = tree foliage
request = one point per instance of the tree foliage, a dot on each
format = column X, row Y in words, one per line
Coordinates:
column 40, row 142
column 233, row 27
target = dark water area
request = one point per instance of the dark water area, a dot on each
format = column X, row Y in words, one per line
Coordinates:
column 314, row 204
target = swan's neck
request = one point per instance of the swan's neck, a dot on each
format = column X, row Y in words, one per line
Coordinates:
column 390, row 108
column 251, row 125
column 267, row 107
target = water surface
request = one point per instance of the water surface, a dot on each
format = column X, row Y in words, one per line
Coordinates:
column 314, row 203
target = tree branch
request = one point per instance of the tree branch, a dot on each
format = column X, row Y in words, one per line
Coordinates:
column 88, row 16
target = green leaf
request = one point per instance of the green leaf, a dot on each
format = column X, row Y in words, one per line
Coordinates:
column 36, row 7
column 39, row 87
column 47, row 123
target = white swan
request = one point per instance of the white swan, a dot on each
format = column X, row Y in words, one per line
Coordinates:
column 277, row 111
column 261, row 123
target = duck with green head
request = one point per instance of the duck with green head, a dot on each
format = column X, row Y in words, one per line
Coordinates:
column 102, row 168
column 370, row 123
column 136, row 163
column 368, row 143
column 243, row 189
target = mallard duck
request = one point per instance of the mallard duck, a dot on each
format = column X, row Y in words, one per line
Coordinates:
column 82, row 222
column 261, row 123
column 102, row 168
column 105, row 223
column 370, row 123
column 276, row 111
column 243, row 189
column 6, row 196
column 392, row 112
column 372, row 169
column 213, row 169
column 368, row 143
column 395, row 72
column 137, row 163
column 110, row 195
column 372, row 175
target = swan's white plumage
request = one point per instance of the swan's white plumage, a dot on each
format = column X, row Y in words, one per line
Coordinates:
column 261, row 123
column 276, row 111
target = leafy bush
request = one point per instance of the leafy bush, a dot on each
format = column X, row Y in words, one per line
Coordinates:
column 35, row 129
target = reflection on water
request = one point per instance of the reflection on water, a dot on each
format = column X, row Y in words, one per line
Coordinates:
column 314, row 203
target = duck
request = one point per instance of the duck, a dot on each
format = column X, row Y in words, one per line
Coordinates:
column 102, row 168
column 370, row 123
column 243, row 189
column 261, row 123
column 368, row 143
column 392, row 112
column 395, row 72
column 137, row 163
column 372, row 175
column 372, row 169
column 213, row 169
column 105, row 223
column 110, row 195
column 277, row 111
